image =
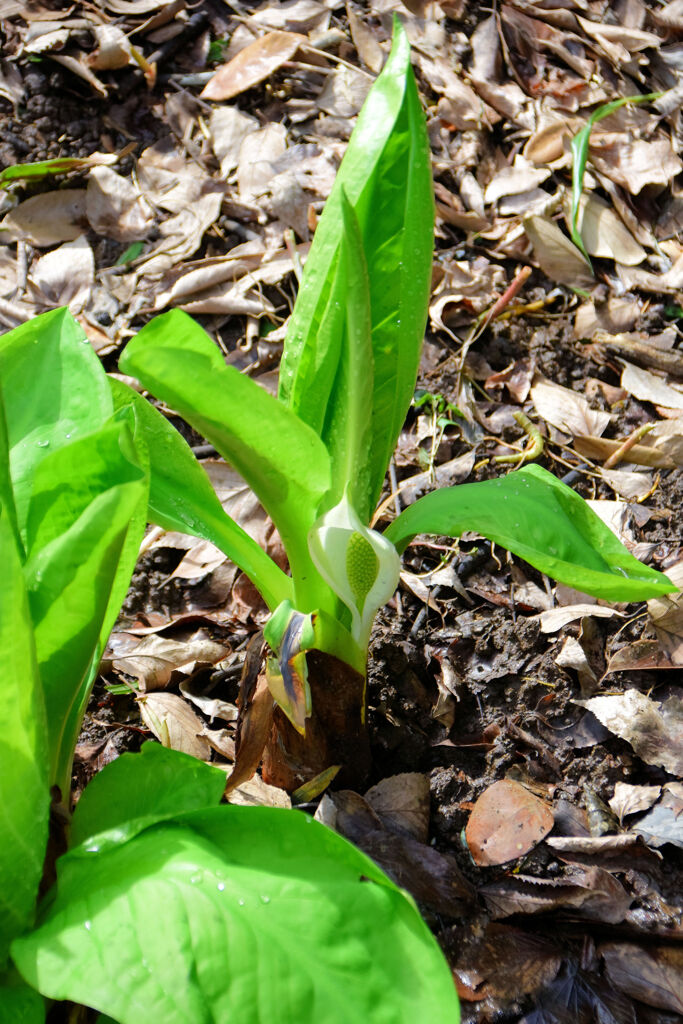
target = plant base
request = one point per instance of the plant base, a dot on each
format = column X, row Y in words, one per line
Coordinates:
column 336, row 732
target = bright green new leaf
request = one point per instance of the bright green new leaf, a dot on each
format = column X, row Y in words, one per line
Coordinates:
column 54, row 391
column 386, row 176
column 181, row 497
column 138, row 790
column 242, row 915
column 24, row 786
column 531, row 513
column 281, row 458
column 70, row 574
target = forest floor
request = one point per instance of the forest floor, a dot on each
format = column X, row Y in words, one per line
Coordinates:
column 527, row 740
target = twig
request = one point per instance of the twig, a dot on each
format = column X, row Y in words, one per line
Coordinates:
column 617, row 456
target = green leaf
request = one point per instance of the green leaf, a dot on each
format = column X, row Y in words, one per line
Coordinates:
column 281, row 458
column 43, row 168
column 138, row 790
column 386, row 175
column 19, row 1004
column 54, row 391
column 24, row 787
column 237, row 914
column 532, row 514
column 84, row 498
column 181, row 497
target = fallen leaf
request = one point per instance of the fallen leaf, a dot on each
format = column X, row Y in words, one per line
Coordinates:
column 155, row 658
column 115, row 208
column 634, row 163
column 557, row 256
column 402, row 803
column 506, row 822
column 256, row 62
column 48, row 218
column 630, row 799
column 65, row 276
column 555, row 618
column 174, row 724
column 567, row 410
column 639, row 656
column 212, row 707
column 590, row 892
column 664, row 823
column 655, row 731
column 648, row 387
column 229, row 128
column 603, row 233
column 651, row 974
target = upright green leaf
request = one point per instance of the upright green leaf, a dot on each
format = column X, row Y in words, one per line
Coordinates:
column 84, row 498
column 24, row 784
column 531, row 513
column 386, row 175
column 281, row 458
column 54, row 391
column 181, row 497
column 241, row 915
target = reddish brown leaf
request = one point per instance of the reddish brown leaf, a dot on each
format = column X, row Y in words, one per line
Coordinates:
column 252, row 65
column 507, row 821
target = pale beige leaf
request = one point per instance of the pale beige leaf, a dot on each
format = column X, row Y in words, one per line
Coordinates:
column 48, row 218
column 344, row 92
column 567, row 410
column 212, row 707
column 257, row 793
column 65, row 276
column 557, row 257
column 629, row 485
column 174, row 724
column 402, row 802
column 647, row 387
column 154, row 660
column 632, row 39
column 555, row 618
column 258, row 153
column 521, row 177
column 252, row 65
column 635, row 163
column 115, row 208
column 229, row 128
column 365, row 41
column 113, row 48
column 604, row 233
column 549, row 143
column 630, row 799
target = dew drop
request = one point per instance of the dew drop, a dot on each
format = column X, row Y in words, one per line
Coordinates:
column 221, row 886
column 241, row 902
column 195, row 879
column 265, row 899
column 43, row 444
column 88, row 925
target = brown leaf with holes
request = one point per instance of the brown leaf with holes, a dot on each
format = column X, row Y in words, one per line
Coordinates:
column 506, row 822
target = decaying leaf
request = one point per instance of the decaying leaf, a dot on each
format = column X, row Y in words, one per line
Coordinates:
column 506, row 822
column 664, row 823
column 47, row 219
column 654, row 730
column 154, row 659
column 651, row 974
column 174, row 724
column 630, row 799
column 252, row 65
column 557, row 256
column 605, row 234
column 402, row 803
column 567, row 410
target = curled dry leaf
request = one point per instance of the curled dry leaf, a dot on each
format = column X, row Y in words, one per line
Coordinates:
column 654, row 730
column 641, row 655
column 567, row 410
column 506, row 822
column 555, row 618
column 664, row 823
column 591, row 892
column 629, row 799
column 174, row 724
column 154, row 660
column 634, row 163
column 65, row 276
column 115, row 208
column 113, row 48
column 557, row 256
column 229, row 128
column 252, row 65
column 521, row 177
column 47, row 219
column 648, row 387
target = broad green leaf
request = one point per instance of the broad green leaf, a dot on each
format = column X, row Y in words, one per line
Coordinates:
column 532, row 514
column 281, row 458
column 237, row 914
column 54, row 391
column 137, row 790
column 24, row 784
column 386, row 175
column 6, row 491
column 71, row 573
column 181, row 497
column 19, row 1004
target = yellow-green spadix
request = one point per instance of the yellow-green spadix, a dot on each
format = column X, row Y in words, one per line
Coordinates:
column 357, row 563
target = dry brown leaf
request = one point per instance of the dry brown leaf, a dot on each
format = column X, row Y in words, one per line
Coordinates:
column 201, row 559
column 648, row 387
column 664, row 823
column 567, row 410
column 174, row 724
column 521, row 177
column 641, row 655
column 604, row 234
column 666, row 614
column 634, row 163
column 252, row 65
column 505, row 823
column 591, row 892
column 629, row 485
column 614, row 316
column 155, row 658
column 229, row 128
column 630, row 799
column 640, row 454
column 402, row 803
column 548, row 143
column 212, row 707
column 115, row 208
column 557, row 257
column 65, row 276
column 572, row 655
column 257, row 793
column 258, row 152
column 364, row 39
column 256, row 721
column 655, row 731
column 112, row 49
column 651, row 974
column 48, row 218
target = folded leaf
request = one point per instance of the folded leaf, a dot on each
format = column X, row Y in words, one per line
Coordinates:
column 386, row 175
column 181, row 497
column 281, row 458
column 237, row 914
column 531, row 513
column 24, row 784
